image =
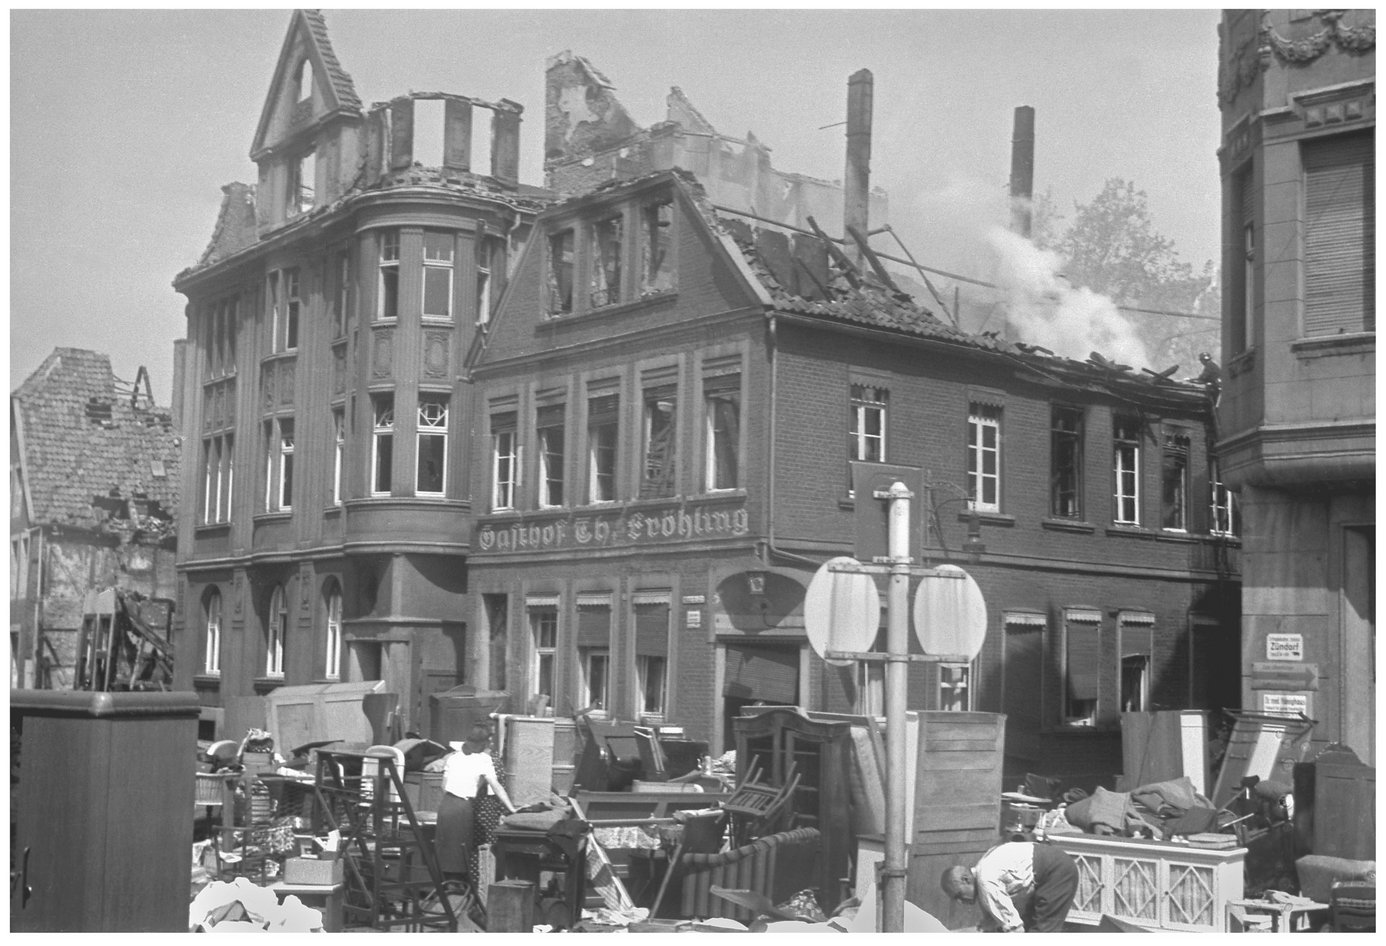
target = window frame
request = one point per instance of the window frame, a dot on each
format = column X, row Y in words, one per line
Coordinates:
column 438, row 264
column 603, row 421
column 983, row 417
column 1065, row 440
column 543, row 619
column 211, row 633
column 387, row 281
column 1175, row 456
column 338, row 452
column 382, row 405
column 659, row 474
column 1221, row 512
column 332, row 639
column 864, row 401
column 607, row 258
column 561, row 259
column 657, row 275
column 431, row 428
column 1090, row 620
column 1123, row 429
column 586, row 655
column 953, row 685
column 276, row 633
column 721, row 446
column 285, row 474
column 552, row 464
column 505, row 449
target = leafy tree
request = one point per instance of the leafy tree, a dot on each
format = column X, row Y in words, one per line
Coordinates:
column 1112, row 247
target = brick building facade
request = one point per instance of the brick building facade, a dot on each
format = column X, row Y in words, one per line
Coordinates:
column 1298, row 412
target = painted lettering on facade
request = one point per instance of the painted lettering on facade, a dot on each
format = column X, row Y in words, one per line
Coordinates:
column 630, row 528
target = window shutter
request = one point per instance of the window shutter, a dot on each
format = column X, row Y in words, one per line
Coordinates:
column 1339, row 235
column 550, row 416
column 1083, row 660
column 1137, row 635
column 652, row 630
column 763, row 673
column 594, row 626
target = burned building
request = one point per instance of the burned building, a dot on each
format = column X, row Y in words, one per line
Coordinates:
column 668, row 403
column 1297, row 435
column 94, row 492
column 326, row 431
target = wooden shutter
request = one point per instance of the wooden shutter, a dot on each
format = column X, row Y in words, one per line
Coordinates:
column 1083, row 652
column 763, row 673
column 1339, row 235
column 594, row 626
column 652, row 630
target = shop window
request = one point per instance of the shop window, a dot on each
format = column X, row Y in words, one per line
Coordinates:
column 651, row 655
column 602, row 428
column 1126, row 471
column 659, row 443
column 387, row 305
column 1224, row 514
column 1082, row 664
column 432, row 460
column 606, row 262
column 276, row 628
column 657, row 271
column 984, row 457
column 211, row 635
column 332, row 657
column 723, row 408
column 338, row 453
column 1066, row 463
column 543, row 624
column 505, row 456
column 1174, row 484
column 561, row 272
column 438, row 250
column 551, row 456
column 382, row 443
column 954, row 687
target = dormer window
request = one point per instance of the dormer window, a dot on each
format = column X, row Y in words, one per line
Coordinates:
column 302, row 174
column 561, row 272
column 657, row 271
column 606, row 261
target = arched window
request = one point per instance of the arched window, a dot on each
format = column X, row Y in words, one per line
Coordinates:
column 333, row 607
column 211, row 638
column 275, row 629
column 303, row 81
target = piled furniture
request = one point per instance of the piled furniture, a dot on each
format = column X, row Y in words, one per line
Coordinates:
column 777, row 866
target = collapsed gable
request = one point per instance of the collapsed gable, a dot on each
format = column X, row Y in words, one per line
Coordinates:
column 331, row 91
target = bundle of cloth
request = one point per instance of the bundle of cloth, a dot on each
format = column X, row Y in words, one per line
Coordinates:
column 1159, row 810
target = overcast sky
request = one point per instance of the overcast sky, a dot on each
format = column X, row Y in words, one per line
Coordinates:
column 125, row 124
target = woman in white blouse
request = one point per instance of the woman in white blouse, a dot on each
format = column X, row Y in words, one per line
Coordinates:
column 465, row 773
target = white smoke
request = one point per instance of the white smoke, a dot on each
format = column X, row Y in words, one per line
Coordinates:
column 1045, row 309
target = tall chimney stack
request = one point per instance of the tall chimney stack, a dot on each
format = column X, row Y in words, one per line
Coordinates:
column 1022, row 169
column 857, row 180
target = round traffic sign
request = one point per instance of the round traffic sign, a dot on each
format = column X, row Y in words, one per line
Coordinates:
column 842, row 611
column 950, row 616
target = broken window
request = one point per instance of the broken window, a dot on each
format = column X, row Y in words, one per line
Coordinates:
column 658, row 473
column 953, row 687
column 984, row 457
column 332, row 662
column 551, row 455
column 722, row 395
column 338, row 453
column 437, row 274
column 302, row 184
column 432, row 466
column 1174, row 484
column 505, row 455
column 1126, row 470
column 382, row 443
column 211, row 634
column 387, row 307
column 657, row 271
column 1223, row 507
column 561, row 272
column 606, row 262
column 490, row 267
column 602, row 426
column 543, row 623
column 1066, row 462
column 275, row 628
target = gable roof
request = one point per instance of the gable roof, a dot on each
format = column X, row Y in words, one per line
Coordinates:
column 235, row 227
column 335, row 85
column 82, row 438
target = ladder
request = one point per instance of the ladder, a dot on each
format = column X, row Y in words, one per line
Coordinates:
column 392, row 877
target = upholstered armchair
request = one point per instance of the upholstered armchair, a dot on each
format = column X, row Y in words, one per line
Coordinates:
column 777, row 866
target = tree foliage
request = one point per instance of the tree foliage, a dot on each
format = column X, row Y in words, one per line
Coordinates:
column 1112, row 247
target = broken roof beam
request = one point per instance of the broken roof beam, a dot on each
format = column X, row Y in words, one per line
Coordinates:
column 849, row 269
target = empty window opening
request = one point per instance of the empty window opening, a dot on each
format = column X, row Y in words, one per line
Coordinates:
column 657, row 271
column 606, row 264
column 602, row 424
column 428, row 132
column 1174, row 484
column 303, row 81
column 658, row 472
column 1066, row 463
column 482, row 119
column 302, row 183
column 723, row 396
column 551, row 455
column 561, row 272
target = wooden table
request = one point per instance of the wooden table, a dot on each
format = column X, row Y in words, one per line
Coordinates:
column 1285, row 917
column 326, row 898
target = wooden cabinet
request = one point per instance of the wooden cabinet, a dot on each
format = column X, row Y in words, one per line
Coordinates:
column 820, row 753
column 1152, row 883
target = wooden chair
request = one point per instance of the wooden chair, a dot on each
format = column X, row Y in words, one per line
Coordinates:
column 756, row 808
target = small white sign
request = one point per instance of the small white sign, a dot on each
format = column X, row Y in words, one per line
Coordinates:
column 1284, row 646
column 722, row 622
column 1285, row 704
column 694, row 617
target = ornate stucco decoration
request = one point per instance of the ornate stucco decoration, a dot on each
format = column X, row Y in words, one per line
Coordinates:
column 1350, row 39
column 1240, row 69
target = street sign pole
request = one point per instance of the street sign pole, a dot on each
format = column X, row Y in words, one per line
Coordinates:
column 897, row 662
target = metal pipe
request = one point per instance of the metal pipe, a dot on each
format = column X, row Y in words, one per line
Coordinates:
column 897, row 663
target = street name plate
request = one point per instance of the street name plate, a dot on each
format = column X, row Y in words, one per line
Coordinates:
column 1284, row 646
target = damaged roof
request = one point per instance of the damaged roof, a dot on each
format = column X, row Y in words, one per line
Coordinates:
column 86, row 443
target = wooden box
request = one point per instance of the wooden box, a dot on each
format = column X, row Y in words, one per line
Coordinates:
column 317, row 871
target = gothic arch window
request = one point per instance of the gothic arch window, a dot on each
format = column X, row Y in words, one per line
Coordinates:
column 276, row 627
column 211, row 636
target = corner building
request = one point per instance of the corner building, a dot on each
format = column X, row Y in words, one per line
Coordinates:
column 326, row 523
column 1297, row 422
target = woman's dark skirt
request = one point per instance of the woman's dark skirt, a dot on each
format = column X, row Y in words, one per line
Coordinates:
column 454, row 836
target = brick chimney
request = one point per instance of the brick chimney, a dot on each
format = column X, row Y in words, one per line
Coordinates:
column 1022, row 169
column 857, row 180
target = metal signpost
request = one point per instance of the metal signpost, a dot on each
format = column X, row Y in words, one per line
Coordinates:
column 841, row 616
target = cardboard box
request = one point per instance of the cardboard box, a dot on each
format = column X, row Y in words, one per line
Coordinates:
column 312, row 870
